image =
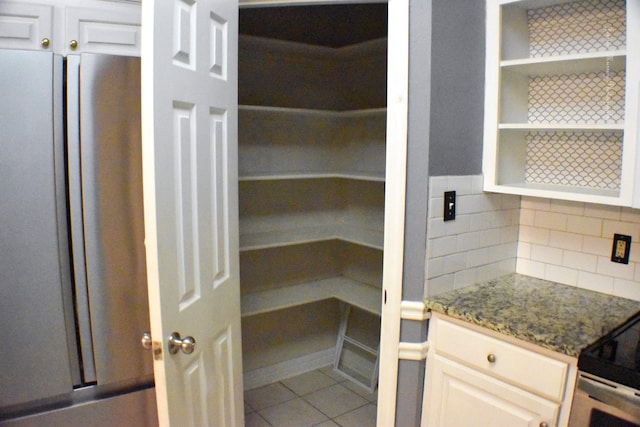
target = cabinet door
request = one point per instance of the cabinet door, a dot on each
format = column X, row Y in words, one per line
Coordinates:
column 25, row 26
column 459, row 396
column 114, row 31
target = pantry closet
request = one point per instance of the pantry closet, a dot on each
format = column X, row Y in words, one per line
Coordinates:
column 311, row 156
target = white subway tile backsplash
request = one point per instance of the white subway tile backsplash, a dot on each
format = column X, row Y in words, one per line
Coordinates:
column 480, row 221
column 615, row 270
column 584, row 225
column 477, row 184
column 527, row 217
column 440, row 284
column 634, row 255
column 510, row 202
column 442, row 246
column 479, row 244
column 535, row 203
column 559, row 274
column 473, row 203
column 435, row 267
column 501, row 219
column 550, row 221
column 564, row 240
column 630, row 215
column 538, row 236
column 603, row 211
column 595, row 282
column 454, row 263
column 546, row 254
column 509, row 234
column 458, row 226
column 530, row 268
column 437, row 228
column 436, row 207
column 611, row 227
column 478, row 257
column 462, row 185
column 438, row 185
column 524, row 250
column 597, row 245
column 580, row 261
column 465, row 278
column 626, row 289
column 567, row 207
column 493, row 234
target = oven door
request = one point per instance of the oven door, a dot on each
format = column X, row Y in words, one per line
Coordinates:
column 598, row 402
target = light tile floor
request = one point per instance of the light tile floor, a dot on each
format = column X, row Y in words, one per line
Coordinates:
column 317, row 398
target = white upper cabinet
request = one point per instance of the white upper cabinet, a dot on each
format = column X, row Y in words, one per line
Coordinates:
column 26, row 26
column 561, row 100
column 71, row 26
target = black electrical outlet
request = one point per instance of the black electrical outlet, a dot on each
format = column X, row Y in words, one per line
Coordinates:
column 621, row 248
column 449, row 205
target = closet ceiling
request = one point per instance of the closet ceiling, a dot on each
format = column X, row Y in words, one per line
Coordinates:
column 326, row 25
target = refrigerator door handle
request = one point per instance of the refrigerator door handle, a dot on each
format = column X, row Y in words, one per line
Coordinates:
column 77, row 220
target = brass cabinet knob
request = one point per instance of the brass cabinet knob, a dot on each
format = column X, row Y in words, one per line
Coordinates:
column 544, row 424
column 45, row 42
column 491, row 358
column 73, row 44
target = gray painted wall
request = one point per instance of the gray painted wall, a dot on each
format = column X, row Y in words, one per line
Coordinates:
column 411, row 373
column 457, row 87
column 446, row 104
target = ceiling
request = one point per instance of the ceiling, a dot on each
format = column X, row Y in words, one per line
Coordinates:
column 324, row 25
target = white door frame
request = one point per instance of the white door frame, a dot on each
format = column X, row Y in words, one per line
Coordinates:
column 395, row 191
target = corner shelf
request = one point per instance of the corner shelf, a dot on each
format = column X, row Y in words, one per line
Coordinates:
column 296, row 143
column 350, row 291
column 360, row 236
column 313, row 175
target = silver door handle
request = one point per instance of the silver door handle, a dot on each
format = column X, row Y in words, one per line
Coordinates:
column 177, row 343
column 146, row 341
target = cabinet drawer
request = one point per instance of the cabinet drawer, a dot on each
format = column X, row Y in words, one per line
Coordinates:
column 508, row 362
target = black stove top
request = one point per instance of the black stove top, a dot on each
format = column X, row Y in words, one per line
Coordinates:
column 616, row 356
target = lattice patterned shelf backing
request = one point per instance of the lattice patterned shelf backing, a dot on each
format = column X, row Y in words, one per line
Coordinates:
column 577, row 98
column 583, row 159
column 578, row 27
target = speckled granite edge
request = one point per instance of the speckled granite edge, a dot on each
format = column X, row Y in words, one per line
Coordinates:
column 561, row 318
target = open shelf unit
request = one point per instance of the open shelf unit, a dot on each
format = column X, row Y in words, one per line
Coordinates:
column 561, row 103
column 311, row 200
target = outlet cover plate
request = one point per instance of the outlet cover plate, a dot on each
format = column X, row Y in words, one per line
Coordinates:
column 621, row 248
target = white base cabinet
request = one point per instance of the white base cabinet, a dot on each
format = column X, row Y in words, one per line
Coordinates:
column 481, row 378
column 470, row 398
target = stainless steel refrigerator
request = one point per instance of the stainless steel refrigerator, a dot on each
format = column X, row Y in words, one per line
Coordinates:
column 73, row 292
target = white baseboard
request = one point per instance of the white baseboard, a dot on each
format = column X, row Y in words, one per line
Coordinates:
column 288, row 368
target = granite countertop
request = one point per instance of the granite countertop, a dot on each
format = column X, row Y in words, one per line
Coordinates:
column 561, row 318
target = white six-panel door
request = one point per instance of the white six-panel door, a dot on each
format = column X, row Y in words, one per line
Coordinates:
column 189, row 119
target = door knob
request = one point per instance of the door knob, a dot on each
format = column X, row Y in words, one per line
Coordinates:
column 146, row 341
column 176, row 343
